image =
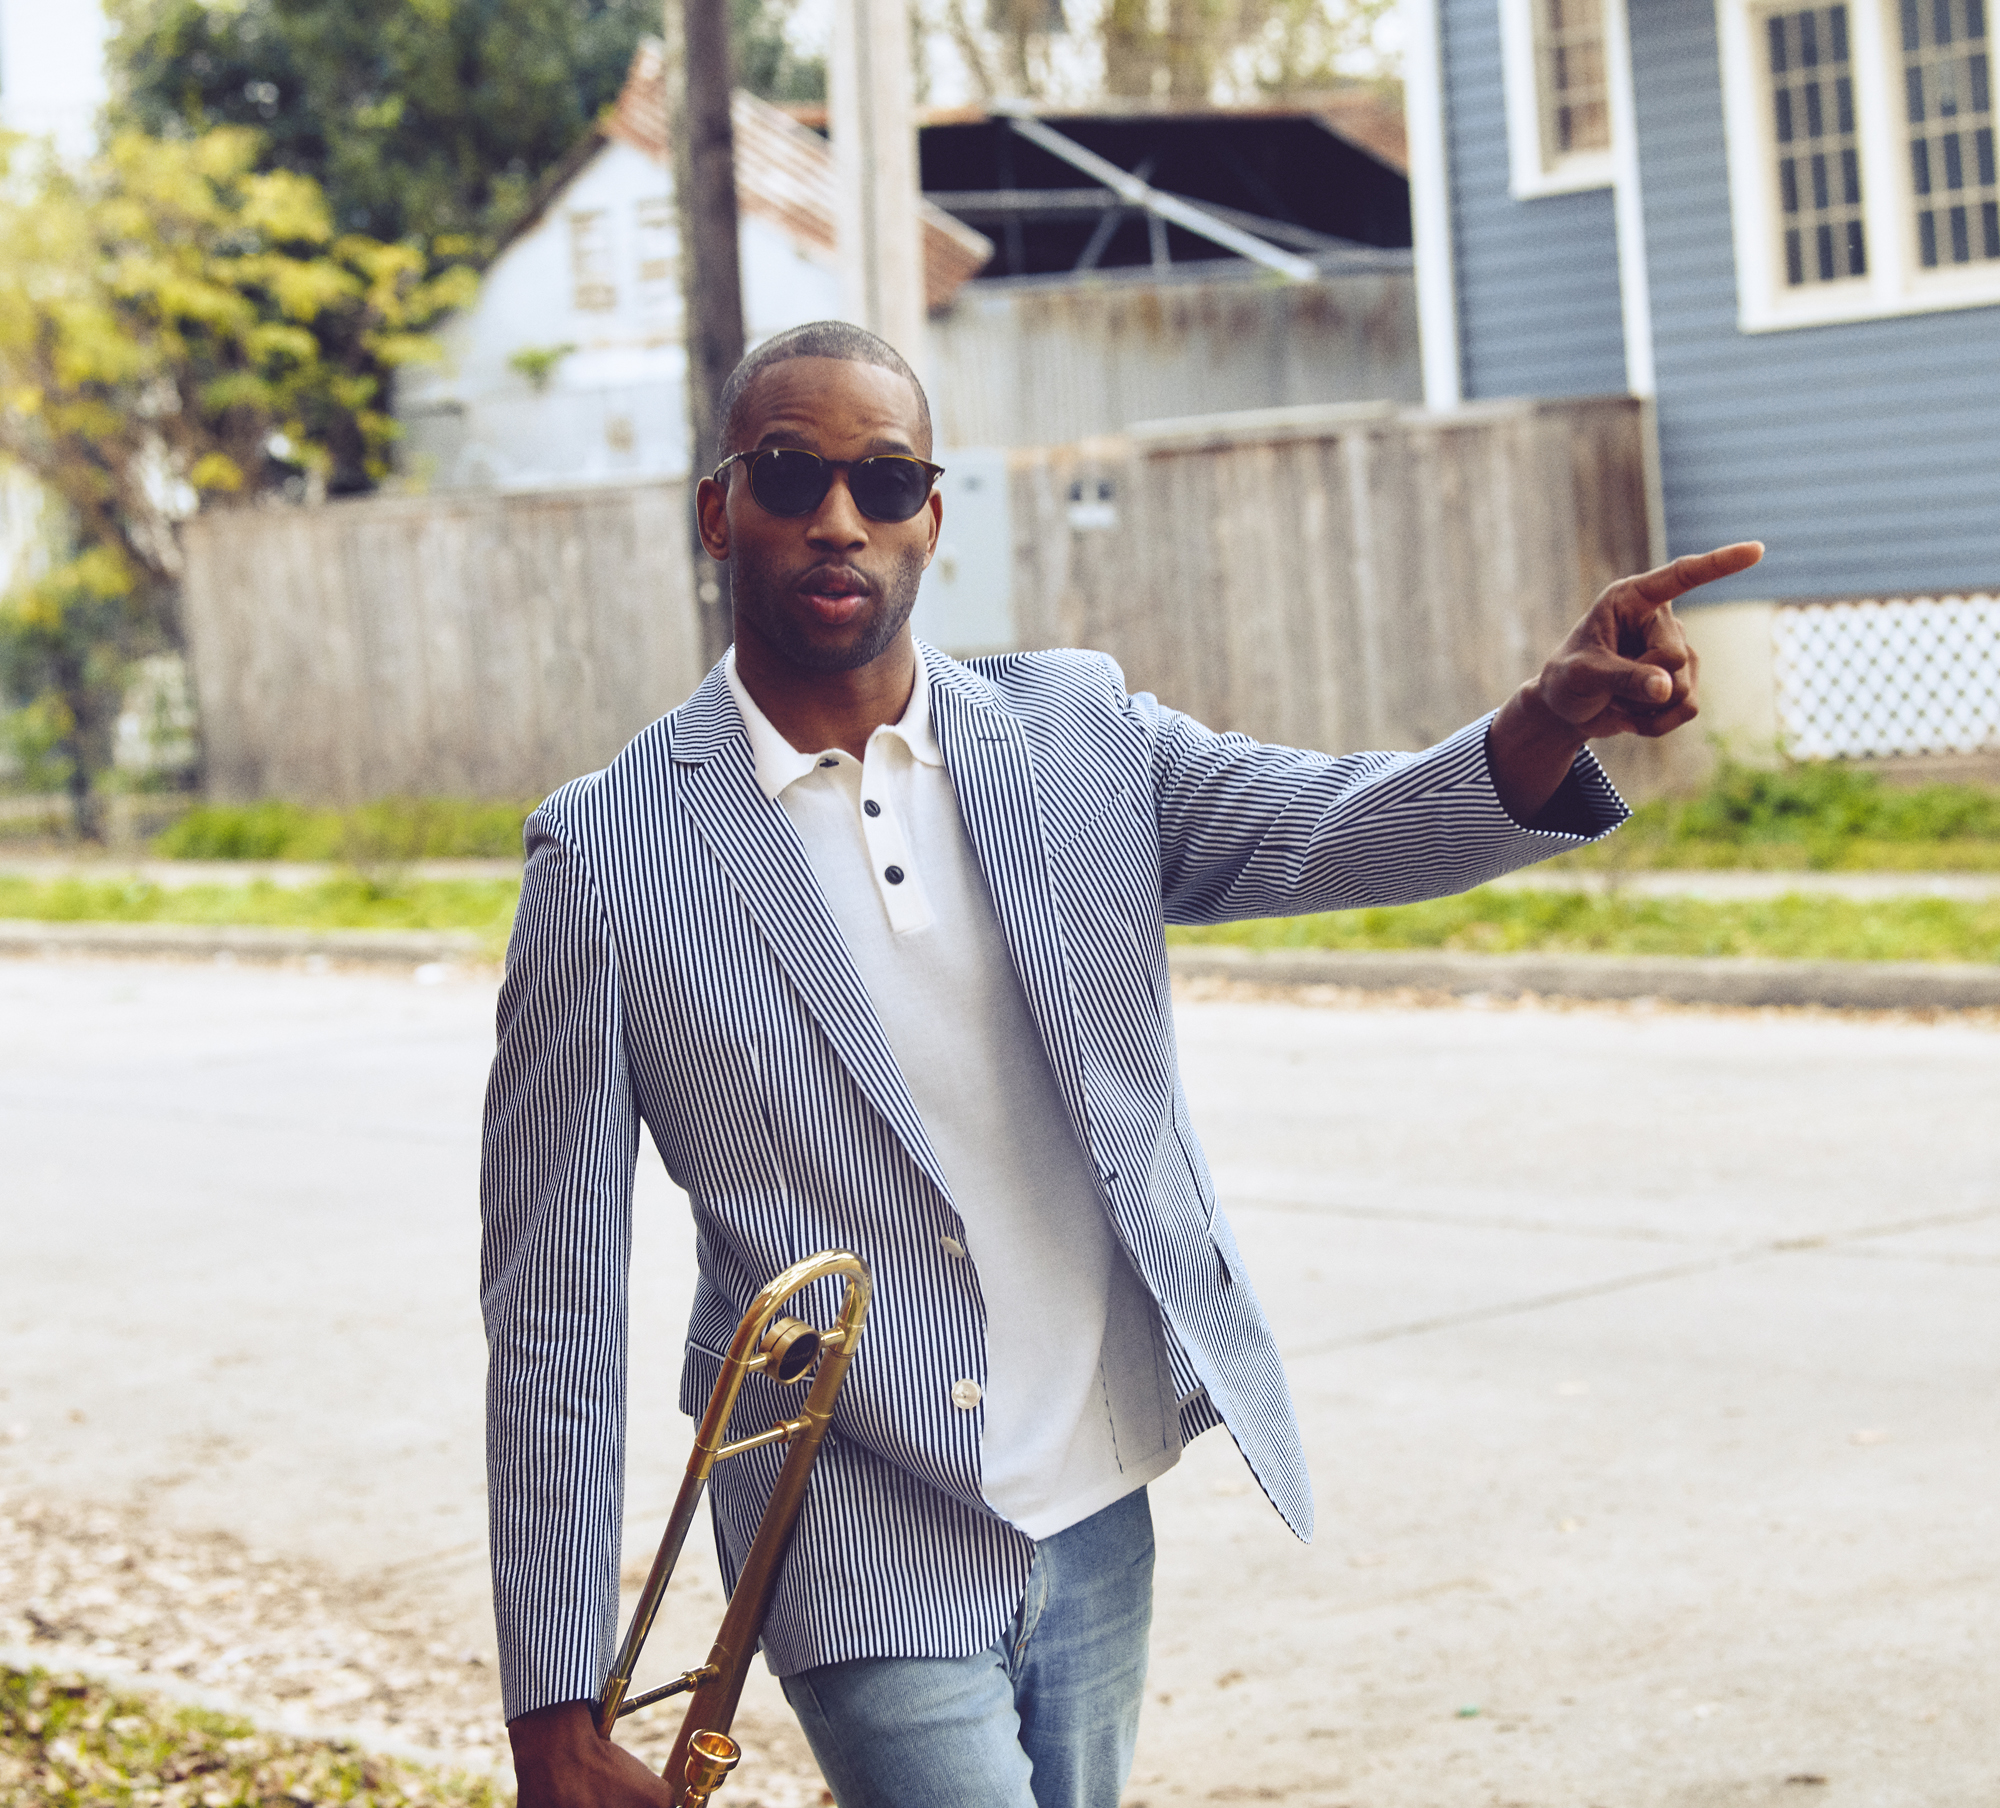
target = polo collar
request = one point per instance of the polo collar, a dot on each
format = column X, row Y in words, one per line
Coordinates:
column 779, row 764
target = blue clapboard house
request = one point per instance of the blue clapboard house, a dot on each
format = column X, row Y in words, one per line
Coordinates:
column 1781, row 222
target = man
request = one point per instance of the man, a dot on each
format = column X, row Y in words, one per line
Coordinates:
column 870, row 940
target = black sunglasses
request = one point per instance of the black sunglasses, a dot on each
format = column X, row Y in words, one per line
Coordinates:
column 888, row 487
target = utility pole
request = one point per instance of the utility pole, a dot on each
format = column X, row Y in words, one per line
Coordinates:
column 872, row 109
column 711, row 275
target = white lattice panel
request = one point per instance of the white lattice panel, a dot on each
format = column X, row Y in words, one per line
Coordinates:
column 1907, row 675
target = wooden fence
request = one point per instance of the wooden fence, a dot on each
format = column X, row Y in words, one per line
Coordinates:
column 475, row 645
column 1337, row 577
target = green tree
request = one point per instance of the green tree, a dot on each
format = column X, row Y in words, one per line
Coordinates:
column 178, row 329
column 1181, row 52
column 767, row 62
column 424, row 119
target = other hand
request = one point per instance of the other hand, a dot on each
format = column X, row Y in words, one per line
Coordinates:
column 560, row 1761
column 1627, row 668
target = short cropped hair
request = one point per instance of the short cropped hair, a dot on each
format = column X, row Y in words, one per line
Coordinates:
column 816, row 339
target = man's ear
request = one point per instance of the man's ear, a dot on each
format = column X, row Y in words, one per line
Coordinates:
column 711, row 512
column 936, row 507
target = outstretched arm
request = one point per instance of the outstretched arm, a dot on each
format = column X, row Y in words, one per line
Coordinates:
column 1626, row 668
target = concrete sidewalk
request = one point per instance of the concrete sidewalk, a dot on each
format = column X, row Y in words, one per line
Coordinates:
column 1720, row 885
column 1832, row 985
column 1724, row 885
column 179, row 875
column 1672, row 979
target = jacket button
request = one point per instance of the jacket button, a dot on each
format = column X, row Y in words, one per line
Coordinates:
column 894, row 874
column 951, row 1246
column 965, row 1395
column 871, row 807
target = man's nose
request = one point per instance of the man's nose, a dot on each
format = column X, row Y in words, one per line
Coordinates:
column 837, row 523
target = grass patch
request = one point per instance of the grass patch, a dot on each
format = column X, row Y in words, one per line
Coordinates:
column 1490, row 920
column 1494, row 921
column 1812, row 816
column 69, row 1743
column 1821, row 816
column 349, row 901
column 391, row 830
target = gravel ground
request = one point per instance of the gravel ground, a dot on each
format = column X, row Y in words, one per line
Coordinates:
column 69, row 1741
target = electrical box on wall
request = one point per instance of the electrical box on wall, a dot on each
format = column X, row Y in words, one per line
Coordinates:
column 966, row 605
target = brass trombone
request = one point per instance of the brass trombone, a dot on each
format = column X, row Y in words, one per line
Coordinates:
column 788, row 1350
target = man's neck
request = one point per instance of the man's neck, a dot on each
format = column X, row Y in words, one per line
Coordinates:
column 816, row 710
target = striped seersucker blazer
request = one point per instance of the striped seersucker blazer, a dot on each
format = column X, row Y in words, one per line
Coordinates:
column 673, row 962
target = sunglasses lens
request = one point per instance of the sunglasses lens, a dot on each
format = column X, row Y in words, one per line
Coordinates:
column 889, row 489
column 789, row 483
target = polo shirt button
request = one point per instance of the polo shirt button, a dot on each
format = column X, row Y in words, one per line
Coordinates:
column 965, row 1395
column 951, row 1246
column 894, row 874
column 825, row 763
column 872, row 807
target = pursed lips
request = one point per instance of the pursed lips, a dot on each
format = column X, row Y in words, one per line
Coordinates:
column 835, row 594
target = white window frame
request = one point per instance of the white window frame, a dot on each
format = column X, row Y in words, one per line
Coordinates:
column 593, row 260
column 1529, row 175
column 1896, row 283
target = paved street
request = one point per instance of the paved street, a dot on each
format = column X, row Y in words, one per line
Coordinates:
column 1645, row 1359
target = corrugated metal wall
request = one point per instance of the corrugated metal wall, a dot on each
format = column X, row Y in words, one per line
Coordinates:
column 1043, row 363
column 1538, row 310
column 1867, row 455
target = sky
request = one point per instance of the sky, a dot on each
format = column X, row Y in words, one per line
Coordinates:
column 52, row 69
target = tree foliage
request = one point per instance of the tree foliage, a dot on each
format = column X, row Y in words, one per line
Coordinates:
column 1180, row 52
column 177, row 327
column 422, row 119
column 417, row 117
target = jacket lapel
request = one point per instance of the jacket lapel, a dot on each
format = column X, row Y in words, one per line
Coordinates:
column 986, row 752
column 760, row 853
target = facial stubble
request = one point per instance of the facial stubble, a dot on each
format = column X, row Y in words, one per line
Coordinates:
column 755, row 590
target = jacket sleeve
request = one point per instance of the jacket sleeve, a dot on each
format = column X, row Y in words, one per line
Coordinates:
column 560, row 1142
column 1249, row 830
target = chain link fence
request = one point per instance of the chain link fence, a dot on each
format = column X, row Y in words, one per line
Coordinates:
column 1905, row 675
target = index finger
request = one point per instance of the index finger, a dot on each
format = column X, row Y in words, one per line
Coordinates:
column 1691, row 570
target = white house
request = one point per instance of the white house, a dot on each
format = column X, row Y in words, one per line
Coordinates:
column 570, row 365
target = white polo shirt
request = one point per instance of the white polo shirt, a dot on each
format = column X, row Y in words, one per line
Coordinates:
column 1079, row 1399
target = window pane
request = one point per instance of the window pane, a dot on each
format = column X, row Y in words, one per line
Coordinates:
column 1811, row 85
column 1948, row 106
column 1569, row 78
column 654, row 238
column 594, row 288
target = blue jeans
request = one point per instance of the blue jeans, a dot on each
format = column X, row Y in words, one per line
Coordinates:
column 1045, row 1718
